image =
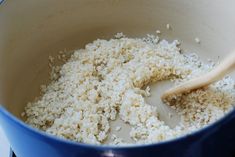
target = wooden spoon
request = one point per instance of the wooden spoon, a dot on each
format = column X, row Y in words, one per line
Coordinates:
column 225, row 67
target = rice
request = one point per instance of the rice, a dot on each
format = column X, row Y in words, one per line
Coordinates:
column 107, row 78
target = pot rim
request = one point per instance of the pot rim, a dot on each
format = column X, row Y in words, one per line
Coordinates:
column 42, row 135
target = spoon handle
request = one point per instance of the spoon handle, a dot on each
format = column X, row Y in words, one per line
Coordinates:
column 226, row 66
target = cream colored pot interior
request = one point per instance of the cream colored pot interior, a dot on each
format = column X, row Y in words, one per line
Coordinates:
column 31, row 30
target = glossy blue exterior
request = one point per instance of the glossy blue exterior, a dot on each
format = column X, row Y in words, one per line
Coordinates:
column 217, row 140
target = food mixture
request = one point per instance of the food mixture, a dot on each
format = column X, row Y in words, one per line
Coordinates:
column 109, row 79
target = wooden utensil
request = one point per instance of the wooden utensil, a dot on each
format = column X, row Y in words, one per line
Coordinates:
column 226, row 66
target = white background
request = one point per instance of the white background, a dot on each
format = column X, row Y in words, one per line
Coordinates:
column 4, row 146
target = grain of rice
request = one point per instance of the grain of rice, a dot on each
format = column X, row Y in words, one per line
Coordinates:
column 106, row 79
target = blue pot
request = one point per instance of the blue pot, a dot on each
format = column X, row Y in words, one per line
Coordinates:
column 30, row 30
column 217, row 140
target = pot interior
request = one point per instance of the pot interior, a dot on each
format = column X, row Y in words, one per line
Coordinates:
column 31, row 30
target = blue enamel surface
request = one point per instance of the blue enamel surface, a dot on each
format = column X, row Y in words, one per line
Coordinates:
column 1, row 1
column 217, row 140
